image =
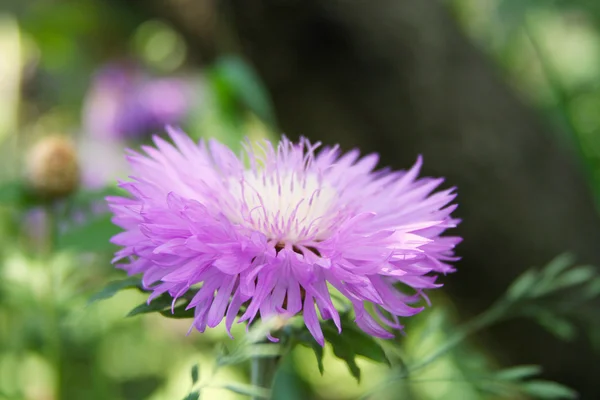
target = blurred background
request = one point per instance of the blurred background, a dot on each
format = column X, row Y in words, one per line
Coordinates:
column 502, row 97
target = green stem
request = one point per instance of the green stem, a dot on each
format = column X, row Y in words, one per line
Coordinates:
column 262, row 371
column 483, row 320
column 494, row 314
column 54, row 334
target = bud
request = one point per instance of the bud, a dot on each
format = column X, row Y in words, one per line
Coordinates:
column 52, row 167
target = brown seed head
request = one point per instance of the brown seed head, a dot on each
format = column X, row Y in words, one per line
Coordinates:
column 52, row 167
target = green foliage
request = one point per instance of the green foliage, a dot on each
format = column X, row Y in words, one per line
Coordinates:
column 12, row 193
column 352, row 342
column 192, row 396
column 114, row 287
column 91, row 236
column 235, row 82
column 160, row 304
column 252, row 391
column 518, row 372
column 554, row 296
column 547, row 390
column 195, row 373
column 307, row 340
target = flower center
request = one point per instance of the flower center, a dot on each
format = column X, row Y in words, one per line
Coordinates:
column 287, row 207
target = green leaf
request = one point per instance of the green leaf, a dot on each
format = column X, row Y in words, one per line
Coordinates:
column 192, row 396
column 557, row 266
column 11, row 193
column 518, row 373
column 246, row 86
column 87, row 197
column 318, row 350
column 522, row 286
column 350, row 343
column 195, row 373
column 363, row 344
column 248, row 390
column 592, row 289
column 343, row 350
column 157, row 304
column 92, row 236
column 574, row 277
column 558, row 326
column 178, row 312
column 17, row 194
column 548, row 390
column 114, row 287
column 245, row 351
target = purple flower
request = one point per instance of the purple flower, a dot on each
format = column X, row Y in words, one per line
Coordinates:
column 277, row 230
column 125, row 103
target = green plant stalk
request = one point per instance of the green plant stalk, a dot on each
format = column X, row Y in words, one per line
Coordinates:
column 54, row 335
column 494, row 314
column 262, row 371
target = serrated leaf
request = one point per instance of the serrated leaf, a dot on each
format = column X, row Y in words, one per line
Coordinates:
column 248, row 390
column 548, row 390
column 92, row 236
column 178, row 312
column 156, row 305
column 195, row 373
column 307, row 340
column 192, row 396
column 114, row 287
column 343, row 350
column 318, row 350
column 364, row 344
column 517, row 373
column 522, row 285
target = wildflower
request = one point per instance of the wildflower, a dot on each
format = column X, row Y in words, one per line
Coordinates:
column 125, row 103
column 276, row 230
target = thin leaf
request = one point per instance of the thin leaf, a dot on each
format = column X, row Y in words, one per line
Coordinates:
column 364, row 344
column 248, row 390
column 592, row 289
column 521, row 287
column 307, row 340
column 558, row 265
column 114, row 287
column 158, row 304
column 344, row 351
column 318, row 350
column 195, row 373
column 178, row 312
column 548, row 390
column 574, row 277
column 558, row 326
column 518, row 373
column 192, row 396
column 247, row 86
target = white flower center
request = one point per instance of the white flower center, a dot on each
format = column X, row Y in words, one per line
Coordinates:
column 285, row 207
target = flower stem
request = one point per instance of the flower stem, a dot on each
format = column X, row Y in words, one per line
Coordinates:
column 262, row 372
column 484, row 320
column 54, row 337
